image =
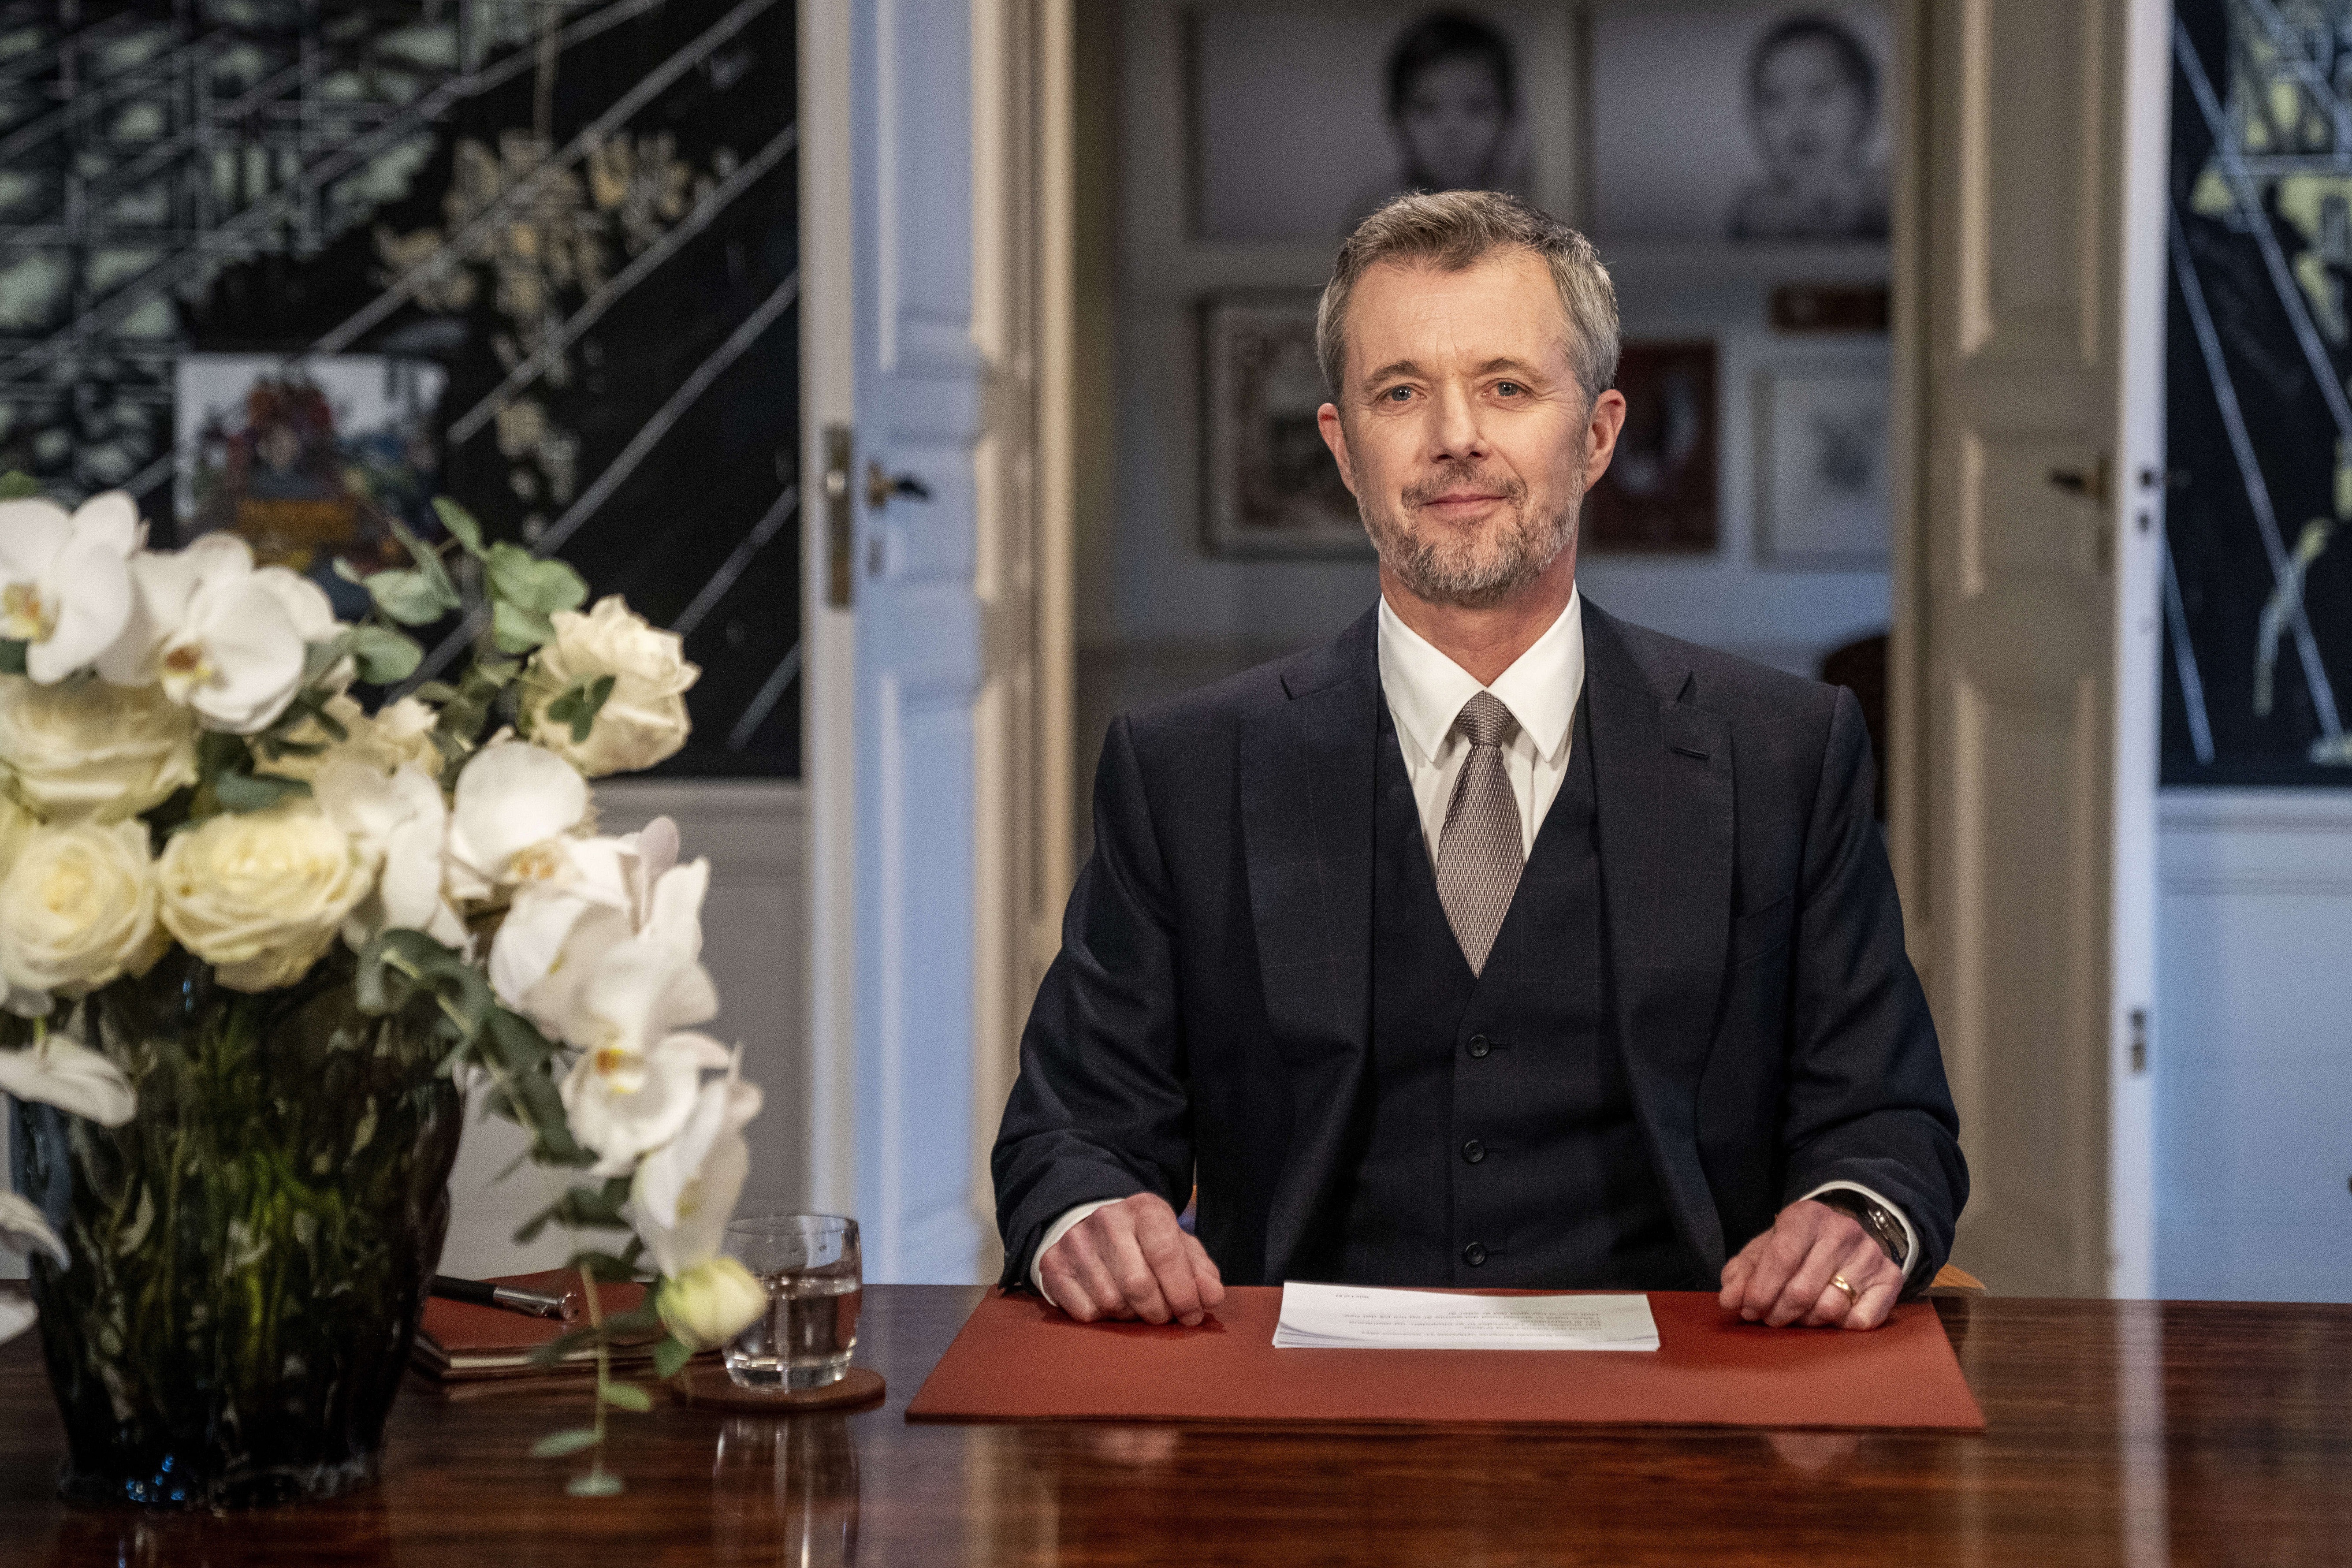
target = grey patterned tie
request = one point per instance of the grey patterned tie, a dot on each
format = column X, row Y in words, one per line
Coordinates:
column 1480, row 850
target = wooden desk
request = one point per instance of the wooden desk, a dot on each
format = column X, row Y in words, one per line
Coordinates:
column 2120, row 1433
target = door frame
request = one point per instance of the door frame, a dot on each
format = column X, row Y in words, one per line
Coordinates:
column 2142, row 74
column 1021, row 141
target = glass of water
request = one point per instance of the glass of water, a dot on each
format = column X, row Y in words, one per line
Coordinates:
column 810, row 1265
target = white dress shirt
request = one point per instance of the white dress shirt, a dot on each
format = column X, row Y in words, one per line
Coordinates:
column 1424, row 690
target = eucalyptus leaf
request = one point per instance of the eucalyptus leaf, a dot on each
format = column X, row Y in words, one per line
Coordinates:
column 424, row 559
column 515, row 1040
column 595, row 1483
column 349, row 573
column 625, row 1397
column 555, row 1445
column 533, row 582
column 18, row 485
column 435, row 692
column 460, row 524
column 411, row 597
column 670, row 1357
column 518, row 630
column 384, row 654
column 578, row 706
column 11, row 656
column 465, row 995
column 255, row 792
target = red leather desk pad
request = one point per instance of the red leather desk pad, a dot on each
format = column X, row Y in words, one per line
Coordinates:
column 1018, row 1359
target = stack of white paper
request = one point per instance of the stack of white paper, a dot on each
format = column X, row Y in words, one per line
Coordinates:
column 1362, row 1317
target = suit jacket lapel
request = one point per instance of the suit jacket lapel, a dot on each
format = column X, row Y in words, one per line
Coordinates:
column 1306, row 802
column 1664, row 798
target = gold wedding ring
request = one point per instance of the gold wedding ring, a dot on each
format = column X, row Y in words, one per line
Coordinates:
column 1852, row 1296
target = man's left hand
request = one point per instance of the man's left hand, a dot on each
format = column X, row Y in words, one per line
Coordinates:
column 1783, row 1276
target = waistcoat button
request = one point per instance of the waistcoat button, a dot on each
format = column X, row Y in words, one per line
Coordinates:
column 1479, row 1046
column 1474, row 1255
column 1474, row 1150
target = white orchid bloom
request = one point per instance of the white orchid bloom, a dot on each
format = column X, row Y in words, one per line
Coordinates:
column 516, row 808
column 635, row 1084
column 625, row 1104
column 400, row 824
column 61, row 1071
column 608, row 891
column 684, row 1190
column 25, row 1228
column 680, row 1203
column 220, row 636
column 65, row 582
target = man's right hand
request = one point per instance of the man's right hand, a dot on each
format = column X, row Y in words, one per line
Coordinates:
column 1132, row 1259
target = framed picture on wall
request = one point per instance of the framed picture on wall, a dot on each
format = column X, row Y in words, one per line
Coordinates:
column 1270, row 487
column 1305, row 117
column 1659, row 493
column 1823, row 498
column 1752, row 123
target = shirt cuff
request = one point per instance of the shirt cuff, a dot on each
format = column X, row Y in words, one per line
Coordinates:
column 1071, row 1216
column 1910, row 1236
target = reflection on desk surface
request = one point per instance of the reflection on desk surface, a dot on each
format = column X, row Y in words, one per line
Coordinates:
column 2120, row 1433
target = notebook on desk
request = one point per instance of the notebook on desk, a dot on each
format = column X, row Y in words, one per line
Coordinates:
column 1018, row 1359
column 461, row 1342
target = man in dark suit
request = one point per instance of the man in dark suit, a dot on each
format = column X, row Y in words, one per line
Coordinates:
column 1499, row 942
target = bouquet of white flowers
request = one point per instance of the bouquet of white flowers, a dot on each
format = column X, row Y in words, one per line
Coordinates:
column 256, row 941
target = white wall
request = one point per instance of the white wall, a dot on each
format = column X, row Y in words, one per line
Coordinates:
column 2250, row 1045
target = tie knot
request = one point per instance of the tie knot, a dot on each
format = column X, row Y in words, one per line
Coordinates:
column 1484, row 721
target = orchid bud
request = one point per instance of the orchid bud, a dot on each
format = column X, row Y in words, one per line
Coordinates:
column 711, row 1302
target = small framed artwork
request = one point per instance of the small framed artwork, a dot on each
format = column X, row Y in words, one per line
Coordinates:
column 1659, row 493
column 1305, row 117
column 1270, row 486
column 1754, row 123
column 1824, row 501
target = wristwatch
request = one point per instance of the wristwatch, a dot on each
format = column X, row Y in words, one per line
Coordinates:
column 1877, row 1219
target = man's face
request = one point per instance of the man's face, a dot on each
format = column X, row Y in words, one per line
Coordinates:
column 1452, row 122
column 1460, row 428
column 1811, row 119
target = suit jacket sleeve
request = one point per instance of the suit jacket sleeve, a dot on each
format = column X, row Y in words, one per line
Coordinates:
column 1866, row 1098
column 1100, row 1109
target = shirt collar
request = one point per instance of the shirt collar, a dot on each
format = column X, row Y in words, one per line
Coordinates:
column 1425, row 689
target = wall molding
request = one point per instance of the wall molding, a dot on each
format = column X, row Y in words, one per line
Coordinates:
column 2252, row 841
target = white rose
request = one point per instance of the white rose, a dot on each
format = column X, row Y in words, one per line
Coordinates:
column 711, row 1303
column 642, row 719
column 17, row 825
column 400, row 735
column 260, row 895
column 77, row 908
column 86, row 749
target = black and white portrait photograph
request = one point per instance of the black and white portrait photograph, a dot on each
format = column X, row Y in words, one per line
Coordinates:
column 1765, row 124
column 1824, row 499
column 1270, row 485
column 1306, row 120
column 1659, row 493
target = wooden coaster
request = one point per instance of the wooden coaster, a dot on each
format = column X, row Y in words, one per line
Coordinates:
column 710, row 1388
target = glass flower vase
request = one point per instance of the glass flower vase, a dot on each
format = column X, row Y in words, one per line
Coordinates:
column 251, row 1250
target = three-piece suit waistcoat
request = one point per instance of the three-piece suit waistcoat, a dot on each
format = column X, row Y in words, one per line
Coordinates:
column 1498, row 1145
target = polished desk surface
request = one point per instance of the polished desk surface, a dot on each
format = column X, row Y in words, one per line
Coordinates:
column 2120, row 1432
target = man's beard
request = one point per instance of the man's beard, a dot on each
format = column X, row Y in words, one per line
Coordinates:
column 1478, row 566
